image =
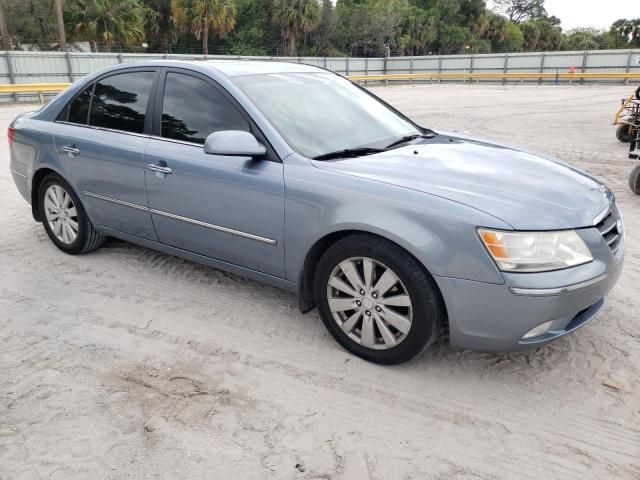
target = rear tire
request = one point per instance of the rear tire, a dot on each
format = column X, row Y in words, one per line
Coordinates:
column 634, row 180
column 65, row 219
column 624, row 134
column 388, row 321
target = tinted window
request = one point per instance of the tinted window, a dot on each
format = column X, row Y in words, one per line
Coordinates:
column 79, row 108
column 120, row 101
column 192, row 109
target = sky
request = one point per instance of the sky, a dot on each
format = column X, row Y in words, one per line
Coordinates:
column 591, row 13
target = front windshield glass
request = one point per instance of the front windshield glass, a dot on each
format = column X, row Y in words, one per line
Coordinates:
column 320, row 113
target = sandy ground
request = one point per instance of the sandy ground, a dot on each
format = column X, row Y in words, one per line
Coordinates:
column 127, row 363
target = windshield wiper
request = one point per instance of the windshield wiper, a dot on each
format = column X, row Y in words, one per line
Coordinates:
column 349, row 153
column 409, row 138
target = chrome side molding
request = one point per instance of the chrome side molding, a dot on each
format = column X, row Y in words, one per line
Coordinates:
column 192, row 221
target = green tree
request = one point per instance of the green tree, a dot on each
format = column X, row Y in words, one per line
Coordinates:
column 160, row 29
column 295, row 18
column 626, row 33
column 542, row 34
column 321, row 36
column 254, row 33
column 520, row 10
column 107, row 22
column 62, row 37
column 201, row 17
column 586, row 39
column 4, row 30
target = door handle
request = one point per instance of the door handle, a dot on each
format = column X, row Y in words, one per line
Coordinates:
column 160, row 168
column 71, row 149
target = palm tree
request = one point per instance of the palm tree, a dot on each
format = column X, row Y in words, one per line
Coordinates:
column 295, row 18
column 159, row 24
column 201, row 16
column 4, row 31
column 108, row 21
column 61, row 34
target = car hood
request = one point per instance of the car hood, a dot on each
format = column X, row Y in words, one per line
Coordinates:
column 528, row 191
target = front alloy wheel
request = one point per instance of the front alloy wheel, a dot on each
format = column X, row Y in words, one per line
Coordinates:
column 377, row 300
column 369, row 303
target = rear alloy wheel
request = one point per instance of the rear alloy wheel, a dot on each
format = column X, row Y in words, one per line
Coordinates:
column 376, row 299
column 64, row 217
column 61, row 214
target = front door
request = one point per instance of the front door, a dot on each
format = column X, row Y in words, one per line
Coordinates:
column 101, row 141
column 227, row 208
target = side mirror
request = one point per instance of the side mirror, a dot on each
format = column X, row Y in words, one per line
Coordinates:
column 234, row 143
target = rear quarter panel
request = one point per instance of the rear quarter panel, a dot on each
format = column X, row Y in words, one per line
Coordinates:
column 32, row 149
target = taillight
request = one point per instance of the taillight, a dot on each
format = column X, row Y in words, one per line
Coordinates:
column 10, row 134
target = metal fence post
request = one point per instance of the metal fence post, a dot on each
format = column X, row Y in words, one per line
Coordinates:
column 67, row 56
column 506, row 67
column 384, row 70
column 411, row 70
column 542, row 56
column 471, row 69
column 324, row 62
column 439, row 69
column 366, row 67
column 120, row 58
column 628, row 69
column 347, row 66
column 585, row 57
column 10, row 69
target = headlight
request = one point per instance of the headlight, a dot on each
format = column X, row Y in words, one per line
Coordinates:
column 535, row 251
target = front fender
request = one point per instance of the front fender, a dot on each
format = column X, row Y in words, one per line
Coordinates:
column 440, row 233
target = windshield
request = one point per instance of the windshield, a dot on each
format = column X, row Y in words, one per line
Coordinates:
column 320, row 113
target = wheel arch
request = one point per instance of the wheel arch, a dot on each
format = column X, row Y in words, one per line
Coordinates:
column 36, row 180
column 305, row 282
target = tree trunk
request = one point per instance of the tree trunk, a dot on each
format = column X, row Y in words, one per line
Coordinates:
column 205, row 38
column 4, row 31
column 291, row 44
column 62, row 38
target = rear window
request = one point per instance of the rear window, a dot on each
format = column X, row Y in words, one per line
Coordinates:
column 120, row 101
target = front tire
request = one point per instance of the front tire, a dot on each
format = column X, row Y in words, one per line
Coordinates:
column 65, row 219
column 376, row 299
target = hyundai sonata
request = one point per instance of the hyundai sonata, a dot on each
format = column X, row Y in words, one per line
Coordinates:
column 295, row 176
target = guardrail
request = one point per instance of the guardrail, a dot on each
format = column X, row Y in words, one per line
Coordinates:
column 498, row 76
column 41, row 89
column 38, row 88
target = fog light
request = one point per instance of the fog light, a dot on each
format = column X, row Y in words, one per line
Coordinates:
column 539, row 330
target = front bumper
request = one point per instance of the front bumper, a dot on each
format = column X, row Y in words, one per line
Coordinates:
column 495, row 317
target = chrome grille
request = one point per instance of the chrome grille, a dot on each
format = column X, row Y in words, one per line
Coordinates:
column 610, row 228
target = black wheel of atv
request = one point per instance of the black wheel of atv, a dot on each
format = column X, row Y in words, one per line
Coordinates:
column 624, row 133
column 638, row 93
column 634, row 180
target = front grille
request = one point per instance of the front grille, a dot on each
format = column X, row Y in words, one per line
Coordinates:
column 610, row 228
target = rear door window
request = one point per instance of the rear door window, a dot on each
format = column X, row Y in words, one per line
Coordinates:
column 193, row 108
column 79, row 107
column 120, row 101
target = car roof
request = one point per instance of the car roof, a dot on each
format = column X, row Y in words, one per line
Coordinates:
column 232, row 68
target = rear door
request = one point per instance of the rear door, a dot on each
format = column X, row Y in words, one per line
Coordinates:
column 100, row 139
column 224, row 207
